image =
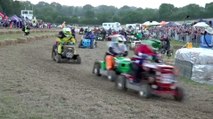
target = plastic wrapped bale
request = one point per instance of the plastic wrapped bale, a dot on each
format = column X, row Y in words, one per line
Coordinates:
column 195, row 64
column 185, row 68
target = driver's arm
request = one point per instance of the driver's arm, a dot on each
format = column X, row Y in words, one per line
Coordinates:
column 73, row 40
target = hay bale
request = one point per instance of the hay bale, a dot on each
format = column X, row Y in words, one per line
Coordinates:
column 21, row 40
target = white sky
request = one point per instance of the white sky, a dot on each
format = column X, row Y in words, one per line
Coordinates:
column 120, row 3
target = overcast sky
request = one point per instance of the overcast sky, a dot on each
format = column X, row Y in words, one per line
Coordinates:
column 120, row 3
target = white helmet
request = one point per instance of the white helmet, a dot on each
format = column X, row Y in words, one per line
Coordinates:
column 121, row 39
column 67, row 32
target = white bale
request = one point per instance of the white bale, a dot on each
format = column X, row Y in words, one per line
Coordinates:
column 202, row 60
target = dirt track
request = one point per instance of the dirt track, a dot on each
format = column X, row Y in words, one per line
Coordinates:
column 33, row 86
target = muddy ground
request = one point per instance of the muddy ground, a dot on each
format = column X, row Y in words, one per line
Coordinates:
column 32, row 86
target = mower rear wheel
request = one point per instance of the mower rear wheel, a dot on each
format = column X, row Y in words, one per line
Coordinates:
column 58, row 58
column 179, row 94
column 120, row 83
column 111, row 75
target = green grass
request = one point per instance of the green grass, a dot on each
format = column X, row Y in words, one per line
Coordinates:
column 177, row 45
column 15, row 36
column 196, row 84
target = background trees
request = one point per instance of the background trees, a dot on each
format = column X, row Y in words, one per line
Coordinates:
column 88, row 14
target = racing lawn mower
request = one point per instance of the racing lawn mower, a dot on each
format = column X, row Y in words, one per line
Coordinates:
column 68, row 54
column 99, row 37
column 87, row 43
column 159, row 80
column 122, row 65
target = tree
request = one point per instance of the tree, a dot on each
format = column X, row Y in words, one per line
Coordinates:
column 165, row 11
column 1, row 8
column 209, row 9
column 88, row 14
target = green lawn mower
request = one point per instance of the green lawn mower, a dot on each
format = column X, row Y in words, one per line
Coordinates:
column 122, row 65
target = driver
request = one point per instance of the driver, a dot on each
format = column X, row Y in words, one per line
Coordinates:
column 65, row 37
column 89, row 35
column 142, row 53
column 116, row 47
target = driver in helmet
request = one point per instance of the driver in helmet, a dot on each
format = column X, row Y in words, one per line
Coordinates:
column 142, row 53
column 116, row 47
column 65, row 37
column 90, row 35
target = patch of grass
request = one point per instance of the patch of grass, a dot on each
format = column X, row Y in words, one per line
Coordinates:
column 12, row 107
column 35, row 117
column 8, row 108
column 177, row 43
column 193, row 83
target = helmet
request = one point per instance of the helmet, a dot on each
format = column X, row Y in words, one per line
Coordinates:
column 119, row 39
column 67, row 32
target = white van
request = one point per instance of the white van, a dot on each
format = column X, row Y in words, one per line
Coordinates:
column 113, row 25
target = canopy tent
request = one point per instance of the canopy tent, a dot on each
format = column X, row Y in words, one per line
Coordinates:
column 15, row 18
column 154, row 23
column 201, row 24
column 146, row 23
column 163, row 23
column 16, row 21
column 209, row 30
column 151, row 23
column 172, row 24
column 177, row 23
column 3, row 16
column 202, row 20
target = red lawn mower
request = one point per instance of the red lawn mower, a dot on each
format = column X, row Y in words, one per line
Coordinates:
column 160, row 80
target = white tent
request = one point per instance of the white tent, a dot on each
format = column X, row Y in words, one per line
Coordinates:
column 147, row 23
column 201, row 24
column 153, row 23
column 209, row 30
column 178, row 24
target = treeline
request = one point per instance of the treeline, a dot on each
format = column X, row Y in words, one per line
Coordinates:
column 56, row 13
